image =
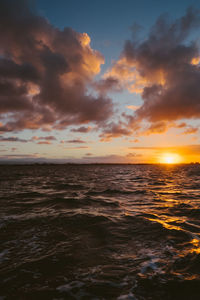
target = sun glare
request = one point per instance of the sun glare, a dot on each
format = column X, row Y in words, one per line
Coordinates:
column 170, row 158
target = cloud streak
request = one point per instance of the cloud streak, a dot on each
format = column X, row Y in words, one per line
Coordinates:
column 46, row 138
column 12, row 139
column 82, row 129
column 76, row 141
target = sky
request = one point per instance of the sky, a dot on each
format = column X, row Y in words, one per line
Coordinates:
column 100, row 81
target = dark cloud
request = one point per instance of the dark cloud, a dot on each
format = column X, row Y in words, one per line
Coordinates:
column 76, row 141
column 165, row 69
column 12, row 139
column 88, row 154
column 113, row 130
column 46, row 138
column 41, row 140
column 11, row 70
column 82, row 129
column 18, row 156
column 108, row 84
column 44, row 73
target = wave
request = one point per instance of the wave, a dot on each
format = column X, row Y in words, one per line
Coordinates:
column 99, row 232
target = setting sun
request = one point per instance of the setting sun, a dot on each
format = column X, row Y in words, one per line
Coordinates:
column 170, row 158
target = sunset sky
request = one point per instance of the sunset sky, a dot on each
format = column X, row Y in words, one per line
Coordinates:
column 100, row 81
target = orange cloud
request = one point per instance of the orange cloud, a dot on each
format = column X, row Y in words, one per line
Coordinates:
column 132, row 107
column 44, row 143
column 191, row 130
column 127, row 76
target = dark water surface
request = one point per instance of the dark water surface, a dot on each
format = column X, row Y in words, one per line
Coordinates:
column 100, row 232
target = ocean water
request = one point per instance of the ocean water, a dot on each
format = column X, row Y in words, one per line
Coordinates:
column 100, row 232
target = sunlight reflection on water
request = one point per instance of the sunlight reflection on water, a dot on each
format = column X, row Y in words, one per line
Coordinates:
column 100, row 231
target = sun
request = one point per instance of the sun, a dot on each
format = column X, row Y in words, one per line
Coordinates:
column 170, row 158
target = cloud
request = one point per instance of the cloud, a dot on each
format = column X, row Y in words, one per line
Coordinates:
column 160, row 127
column 76, row 141
column 157, row 128
column 108, row 84
column 125, row 75
column 132, row 107
column 191, row 130
column 78, row 147
column 46, row 138
column 12, row 139
column 44, row 143
column 164, row 68
column 134, row 141
column 40, row 140
column 18, row 156
column 82, row 129
column 113, row 130
column 88, row 154
column 45, row 73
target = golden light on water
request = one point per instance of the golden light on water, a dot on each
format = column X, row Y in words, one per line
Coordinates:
column 170, row 158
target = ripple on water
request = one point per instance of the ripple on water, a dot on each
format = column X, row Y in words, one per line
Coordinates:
column 100, row 232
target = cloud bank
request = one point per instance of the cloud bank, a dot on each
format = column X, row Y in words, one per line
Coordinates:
column 164, row 68
column 45, row 72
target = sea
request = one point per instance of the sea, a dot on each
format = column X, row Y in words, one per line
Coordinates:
column 125, row 232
